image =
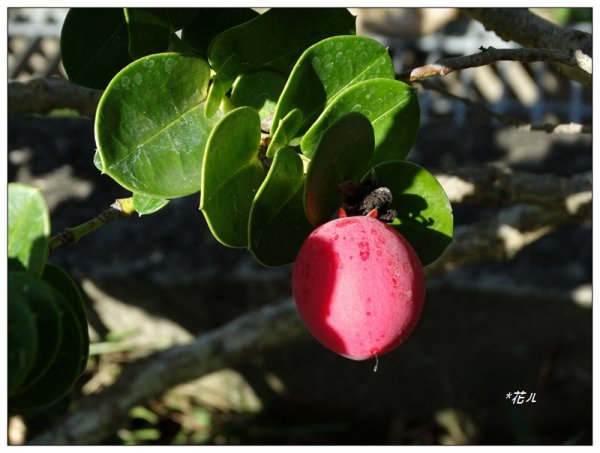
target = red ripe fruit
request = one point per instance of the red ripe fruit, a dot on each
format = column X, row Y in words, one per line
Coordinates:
column 359, row 286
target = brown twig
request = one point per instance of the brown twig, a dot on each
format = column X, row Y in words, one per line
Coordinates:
column 529, row 30
column 491, row 55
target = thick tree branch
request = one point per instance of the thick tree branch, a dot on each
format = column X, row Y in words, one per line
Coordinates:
column 500, row 185
column 498, row 238
column 487, row 56
column 551, row 200
column 508, row 289
column 41, row 96
column 99, row 416
column 529, row 30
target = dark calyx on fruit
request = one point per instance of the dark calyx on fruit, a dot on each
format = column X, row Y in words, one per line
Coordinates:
column 367, row 199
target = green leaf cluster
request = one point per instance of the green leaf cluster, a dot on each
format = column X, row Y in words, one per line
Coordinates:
column 264, row 114
column 48, row 341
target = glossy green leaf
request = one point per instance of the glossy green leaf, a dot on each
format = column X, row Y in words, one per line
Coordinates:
column 286, row 131
column 63, row 371
column 28, row 227
column 424, row 212
column 176, row 44
column 149, row 31
column 259, row 89
column 273, row 40
column 48, row 317
column 278, row 224
column 219, row 87
column 325, row 69
column 94, row 45
column 231, row 175
column 22, row 342
column 209, row 22
column 65, row 286
column 150, row 128
column 276, row 38
column 390, row 105
column 343, row 155
column 144, row 205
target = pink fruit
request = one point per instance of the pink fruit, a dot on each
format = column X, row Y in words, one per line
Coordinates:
column 359, row 286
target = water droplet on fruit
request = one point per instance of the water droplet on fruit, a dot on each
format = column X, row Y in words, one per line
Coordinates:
column 148, row 63
column 138, row 78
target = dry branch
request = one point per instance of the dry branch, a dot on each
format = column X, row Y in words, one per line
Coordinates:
column 529, row 30
column 551, row 200
column 499, row 185
column 41, row 96
column 498, row 238
column 506, row 288
column 99, row 416
column 487, row 56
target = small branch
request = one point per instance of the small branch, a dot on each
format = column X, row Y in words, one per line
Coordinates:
column 120, row 209
column 98, row 416
column 42, row 95
column 445, row 66
column 498, row 238
column 529, row 30
column 499, row 185
column 569, row 128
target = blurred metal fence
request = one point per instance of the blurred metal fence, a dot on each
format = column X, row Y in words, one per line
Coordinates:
column 532, row 92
